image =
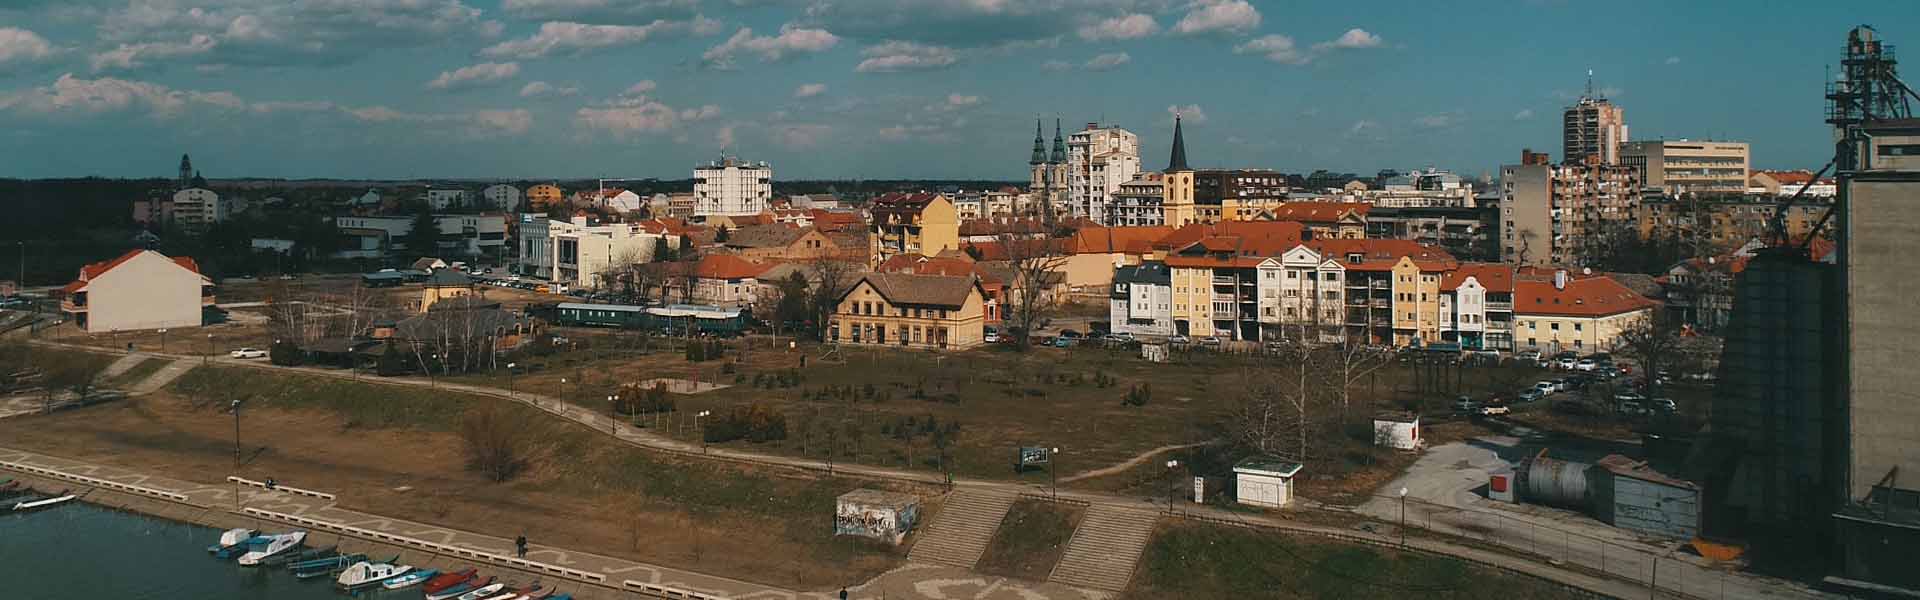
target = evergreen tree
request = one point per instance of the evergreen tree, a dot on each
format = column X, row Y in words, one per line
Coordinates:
column 423, row 237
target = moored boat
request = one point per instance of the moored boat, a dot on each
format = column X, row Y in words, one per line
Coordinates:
column 363, row 574
column 483, row 592
column 62, row 498
column 301, row 556
column 274, row 546
column 232, row 538
column 408, row 580
column 460, row 589
column 447, row 580
column 324, row 566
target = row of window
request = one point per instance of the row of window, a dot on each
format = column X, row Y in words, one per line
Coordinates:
column 876, row 333
column 880, row 309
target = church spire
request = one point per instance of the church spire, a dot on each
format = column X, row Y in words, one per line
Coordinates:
column 1059, row 145
column 1178, row 162
column 1039, row 145
column 186, row 170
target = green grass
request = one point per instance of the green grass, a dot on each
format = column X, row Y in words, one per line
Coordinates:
column 140, row 372
column 18, row 357
column 362, row 404
column 1193, row 560
column 1030, row 540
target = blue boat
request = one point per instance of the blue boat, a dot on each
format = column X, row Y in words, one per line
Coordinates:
column 324, row 566
column 410, row 579
column 235, row 550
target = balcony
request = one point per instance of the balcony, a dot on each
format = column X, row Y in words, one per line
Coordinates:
column 69, row 306
column 1224, row 315
column 1218, row 280
column 1380, row 285
column 1500, row 306
column 1381, row 303
column 1499, row 325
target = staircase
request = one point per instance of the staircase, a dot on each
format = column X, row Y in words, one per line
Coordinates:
column 960, row 533
column 123, row 364
column 1104, row 548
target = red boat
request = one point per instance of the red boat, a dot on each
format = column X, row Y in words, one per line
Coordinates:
column 447, row 580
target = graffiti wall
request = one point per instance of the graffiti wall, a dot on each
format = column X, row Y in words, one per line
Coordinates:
column 877, row 515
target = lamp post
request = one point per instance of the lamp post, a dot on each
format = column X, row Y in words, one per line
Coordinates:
column 236, row 435
column 163, row 339
column 432, row 378
column 1171, row 464
column 208, row 357
column 612, row 423
column 510, row 367
column 703, row 430
column 1403, row 517
column 1053, row 470
column 563, row 392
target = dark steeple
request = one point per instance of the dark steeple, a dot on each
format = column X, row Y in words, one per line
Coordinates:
column 186, row 170
column 1178, row 162
column 1039, row 145
column 1059, row 145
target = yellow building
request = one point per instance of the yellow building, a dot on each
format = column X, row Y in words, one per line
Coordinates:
column 1561, row 312
column 544, row 196
column 920, row 223
column 912, row 311
column 442, row 285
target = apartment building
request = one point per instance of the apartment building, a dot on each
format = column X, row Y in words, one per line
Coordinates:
column 1392, row 288
column 912, row 223
column 196, row 209
column 1141, row 301
column 1302, row 297
column 1236, row 194
column 1138, row 202
column 731, row 186
column 1559, row 312
column 1592, row 130
column 1214, row 270
column 1685, row 167
column 139, row 290
column 1476, row 306
column 1721, row 222
column 1099, row 160
column 1547, row 211
column 1422, row 189
column 578, row 252
column 482, row 235
column 500, row 197
column 446, row 198
column 911, row 311
column 1343, row 220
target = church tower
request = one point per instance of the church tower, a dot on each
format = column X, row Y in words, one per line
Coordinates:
column 186, row 172
column 1177, row 204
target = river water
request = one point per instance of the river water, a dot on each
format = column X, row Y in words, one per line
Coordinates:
column 83, row 552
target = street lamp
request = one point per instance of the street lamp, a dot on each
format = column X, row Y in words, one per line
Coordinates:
column 1403, row 517
column 1171, row 464
column 703, row 430
column 432, row 379
column 1053, row 466
column 204, row 360
column 236, row 435
column 613, row 425
column 163, row 339
column 510, row 367
column 563, row 392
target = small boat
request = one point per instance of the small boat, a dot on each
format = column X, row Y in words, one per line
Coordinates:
column 513, row 594
column 535, row 594
column 276, row 545
column 447, row 580
column 364, row 574
column 232, row 538
column 7, row 485
column 39, row 504
column 324, row 566
column 561, row 597
column 484, row 592
column 408, row 580
column 301, row 556
column 325, row 560
column 460, row 589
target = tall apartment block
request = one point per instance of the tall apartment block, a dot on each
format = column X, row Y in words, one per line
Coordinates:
column 1685, row 167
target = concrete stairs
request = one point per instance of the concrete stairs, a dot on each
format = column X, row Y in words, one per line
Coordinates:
column 164, row 376
column 960, row 533
column 1104, row 548
column 122, row 365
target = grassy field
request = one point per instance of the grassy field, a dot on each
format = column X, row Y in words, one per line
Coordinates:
column 1186, row 561
column 139, row 372
column 15, row 357
column 863, row 404
column 391, row 450
column 1030, row 540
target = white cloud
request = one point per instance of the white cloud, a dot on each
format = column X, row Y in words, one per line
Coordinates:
column 1353, row 38
column 1275, row 47
column 633, row 112
column 1056, row 65
column 905, row 56
column 22, row 46
column 598, row 11
column 1672, row 60
column 1362, row 127
column 1524, row 114
column 133, row 56
column 957, row 100
column 1126, row 27
column 72, row 96
column 724, row 137
column 809, row 90
column 515, row 121
column 563, row 37
column 1190, row 113
column 642, row 88
column 1108, row 61
column 479, row 123
column 792, row 40
column 700, row 114
column 1439, row 121
column 540, row 89
column 474, row 76
column 1219, row 16
column 800, row 135
column 245, row 32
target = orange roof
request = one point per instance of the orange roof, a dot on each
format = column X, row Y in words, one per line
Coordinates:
column 1319, row 212
column 952, row 266
column 1130, row 240
column 1589, row 297
column 1269, row 237
column 1494, row 277
column 1788, row 177
column 728, row 266
column 1381, row 255
column 994, row 250
column 826, row 219
column 95, row 270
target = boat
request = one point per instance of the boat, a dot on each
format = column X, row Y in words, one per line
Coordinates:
column 325, row 560
column 365, row 574
column 535, row 594
column 561, row 597
column 275, row 545
column 447, row 580
column 484, row 592
column 301, row 556
column 39, row 504
column 513, row 594
column 245, row 546
column 408, row 580
column 324, row 566
column 459, row 589
column 232, row 538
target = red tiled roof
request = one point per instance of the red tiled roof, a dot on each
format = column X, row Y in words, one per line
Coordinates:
column 911, row 202
column 1319, row 212
column 1258, row 234
column 1130, row 240
column 1788, row 177
column 95, row 270
column 1381, row 255
column 951, row 266
column 994, row 250
column 993, row 227
column 1596, row 296
column 826, row 219
column 1494, row 277
column 727, row 266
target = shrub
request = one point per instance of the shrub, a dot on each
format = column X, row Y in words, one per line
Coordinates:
column 755, row 423
column 285, row 353
column 392, row 362
column 1138, row 395
column 497, row 444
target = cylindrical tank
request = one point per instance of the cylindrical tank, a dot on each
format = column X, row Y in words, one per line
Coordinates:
column 1556, row 482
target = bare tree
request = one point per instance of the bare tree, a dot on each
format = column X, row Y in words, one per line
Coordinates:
column 498, row 444
column 1345, row 365
column 1654, row 342
column 622, row 273
column 1032, row 302
column 1277, row 410
column 831, row 278
column 687, row 272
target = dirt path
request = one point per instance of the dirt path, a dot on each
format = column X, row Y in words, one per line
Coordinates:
column 1128, row 464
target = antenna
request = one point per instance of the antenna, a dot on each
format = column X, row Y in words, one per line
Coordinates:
column 1589, row 83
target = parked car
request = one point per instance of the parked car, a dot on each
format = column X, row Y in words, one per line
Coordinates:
column 1180, row 339
column 248, row 353
column 1495, row 409
column 1546, row 387
column 1527, row 355
column 1466, row 406
column 1586, row 364
column 992, row 336
column 1632, row 409
column 1566, row 363
column 1211, row 340
column 1562, row 385
column 1064, row 341
column 1532, row 395
column 1665, row 405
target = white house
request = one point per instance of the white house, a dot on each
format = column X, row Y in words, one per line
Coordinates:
column 500, row 197
column 732, row 187
column 1264, row 481
column 575, row 252
column 1302, row 296
column 140, row 290
column 448, row 198
column 197, row 208
column 1141, row 302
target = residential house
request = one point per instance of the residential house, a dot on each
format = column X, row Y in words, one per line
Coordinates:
column 911, row 311
column 720, row 280
column 444, row 199
column 1562, row 312
column 579, row 252
column 1141, row 301
column 196, row 209
column 994, row 282
column 1343, row 220
column 1302, row 297
column 141, row 289
column 1476, row 306
column 444, row 284
column 912, row 223
column 780, row 242
column 830, row 220
column 1214, row 270
column 1393, row 288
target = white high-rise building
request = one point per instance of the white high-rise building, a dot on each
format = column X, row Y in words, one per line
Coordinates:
column 1099, row 159
column 732, row 187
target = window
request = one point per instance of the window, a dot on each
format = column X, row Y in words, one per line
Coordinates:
column 1900, row 150
column 1554, row 326
column 1576, row 326
column 1292, row 275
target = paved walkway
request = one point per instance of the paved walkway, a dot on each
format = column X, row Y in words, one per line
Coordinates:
column 961, row 532
column 1525, row 557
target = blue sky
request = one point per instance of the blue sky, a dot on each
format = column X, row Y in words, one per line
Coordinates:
column 885, row 89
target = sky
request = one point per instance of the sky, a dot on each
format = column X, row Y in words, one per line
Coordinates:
column 883, row 89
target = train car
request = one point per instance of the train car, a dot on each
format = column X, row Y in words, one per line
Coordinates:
column 622, row 316
column 691, row 318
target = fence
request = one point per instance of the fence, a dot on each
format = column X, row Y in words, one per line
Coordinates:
column 400, row 540
column 95, row 482
column 1658, row 571
column 281, row 488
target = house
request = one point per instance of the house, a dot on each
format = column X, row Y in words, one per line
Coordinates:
column 993, row 281
column 1214, row 269
column 911, row 311
column 1579, row 314
column 1343, row 220
column 1476, row 306
column 444, row 284
column 428, row 264
column 1302, row 297
column 500, row 197
column 1264, row 481
column 912, row 223
column 579, row 252
column 466, row 332
column 141, row 289
column 1141, row 301
column 1393, row 288
column 726, row 280
column 827, row 220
